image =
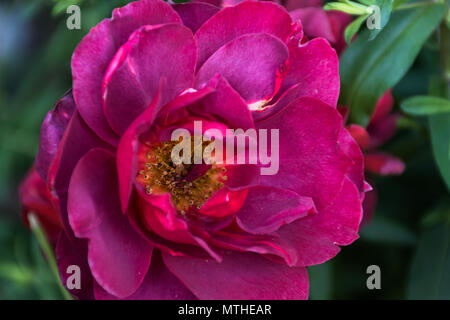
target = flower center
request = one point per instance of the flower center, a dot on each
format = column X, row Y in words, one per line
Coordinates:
column 190, row 185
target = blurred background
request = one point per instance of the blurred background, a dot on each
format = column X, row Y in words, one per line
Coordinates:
column 407, row 237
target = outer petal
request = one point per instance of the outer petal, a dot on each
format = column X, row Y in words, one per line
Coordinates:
column 311, row 161
column 295, row 4
column 133, row 77
column 315, row 22
column 250, row 63
column 246, row 17
column 76, row 141
column 93, row 56
column 52, row 130
column 36, row 198
column 316, row 238
column 240, row 276
column 73, row 252
column 314, row 66
column 369, row 206
column 159, row 284
column 352, row 150
column 225, row 104
column 194, row 14
column 266, row 209
column 118, row 257
column 160, row 217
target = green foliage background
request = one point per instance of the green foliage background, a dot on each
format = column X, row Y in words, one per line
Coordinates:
column 409, row 237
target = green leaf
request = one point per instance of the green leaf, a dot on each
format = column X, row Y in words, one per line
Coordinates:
column 354, row 27
column 425, row 105
column 385, row 14
column 429, row 276
column 347, row 7
column 368, row 2
column 385, row 230
column 40, row 235
column 368, row 69
column 440, row 215
column 440, row 141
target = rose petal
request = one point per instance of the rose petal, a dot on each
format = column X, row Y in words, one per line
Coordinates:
column 77, row 140
column 118, row 257
column 311, row 162
column 73, row 252
column 240, row 276
column 134, row 74
column 266, row 209
column 36, row 198
column 246, row 17
column 352, row 150
column 52, row 130
column 316, row 238
column 250, row 64
column 159, row 284
column 224, row 104
column 128, row 148
column 295, row 4
column 194, row 14
column 315, row 22
column 314, row 68
column 93, row 55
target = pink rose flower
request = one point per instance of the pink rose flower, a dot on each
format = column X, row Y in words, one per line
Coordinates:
column 141, row 227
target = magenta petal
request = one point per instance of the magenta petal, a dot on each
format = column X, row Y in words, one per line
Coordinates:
column 159, row 284
column 118, row 256
column 314, row 68
column 295, row 4
column 315, row 22
column 241, row 176
column 246, row 17
column 224, row 104
column 133, row 77
column 77, row 140
column 52, row 130
column 312, row 163
column 249, row 63
column 128, row 148
column 73, row 252
column 266, row 209
column 316, row 238
column 94, row 53
column 369, row 206
column 352, row 150
column 267, row 244
column 240, row 276
column 194, row 14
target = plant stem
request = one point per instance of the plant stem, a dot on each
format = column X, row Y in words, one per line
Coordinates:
column 48, row 252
